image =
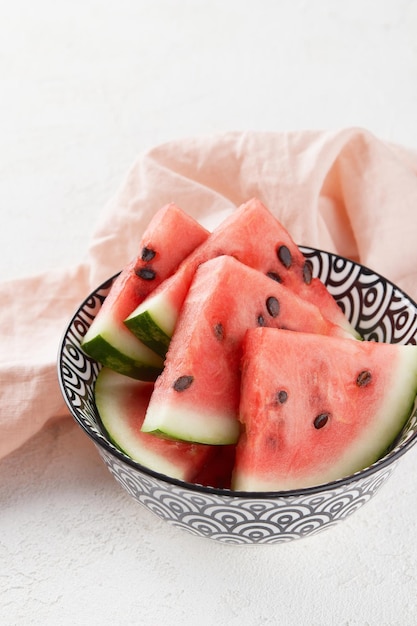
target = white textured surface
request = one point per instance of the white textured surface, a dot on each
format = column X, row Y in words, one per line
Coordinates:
column 84, row 87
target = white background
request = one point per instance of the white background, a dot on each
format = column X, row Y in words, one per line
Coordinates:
column 85, row 87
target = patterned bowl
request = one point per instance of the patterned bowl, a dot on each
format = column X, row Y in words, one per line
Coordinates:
column 378, row 309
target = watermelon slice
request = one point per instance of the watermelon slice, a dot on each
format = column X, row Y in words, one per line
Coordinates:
column 316, row 409
column 253, row 236
column 121, row 402
column 169, row 238
column 196, row 398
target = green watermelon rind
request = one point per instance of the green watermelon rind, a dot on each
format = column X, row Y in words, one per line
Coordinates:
column 146, row 327
column 134, row 359
column 103, row 352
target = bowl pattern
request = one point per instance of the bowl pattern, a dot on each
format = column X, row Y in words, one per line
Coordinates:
column 377, row 308
column 242, row 520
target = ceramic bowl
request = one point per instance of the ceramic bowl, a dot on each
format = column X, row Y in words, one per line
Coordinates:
column 378, row 309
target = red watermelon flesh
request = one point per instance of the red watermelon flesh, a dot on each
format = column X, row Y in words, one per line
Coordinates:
column 196, row 398
column 170, row 236
column 317, row 409
column 217, row 472
column 256, row 238
column 121, row 402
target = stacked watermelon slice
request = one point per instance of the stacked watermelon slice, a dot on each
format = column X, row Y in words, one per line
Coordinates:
column 227, row 363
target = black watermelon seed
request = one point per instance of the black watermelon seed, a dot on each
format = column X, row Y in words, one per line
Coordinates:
column 219, row 330
column 321, row 420
column 364, row 378
column 271, row 443
column 272, row 306
column 307, row 272
column 183, row 382
column 274, row 276
column 148, row 254
column 146, row 273
column 281, row 396
column 284, row 256
column 261, row 320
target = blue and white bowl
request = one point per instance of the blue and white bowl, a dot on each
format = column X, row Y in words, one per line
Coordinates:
column 379, row 310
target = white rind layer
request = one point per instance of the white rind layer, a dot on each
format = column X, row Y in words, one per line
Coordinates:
column 159, row 309
column 191, row 425
column 110, row 387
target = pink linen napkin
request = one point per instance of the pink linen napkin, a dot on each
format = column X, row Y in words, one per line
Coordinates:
column 343, row 191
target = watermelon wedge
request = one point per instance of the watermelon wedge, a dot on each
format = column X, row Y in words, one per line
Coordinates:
column 171, row 235
column 121, row 402
column 316, row 409
column 196, row 398
column 256, row 238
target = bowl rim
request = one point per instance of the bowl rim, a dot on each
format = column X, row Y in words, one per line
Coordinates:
column 102, row 440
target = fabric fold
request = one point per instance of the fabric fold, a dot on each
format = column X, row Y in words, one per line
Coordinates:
column 344, row 191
